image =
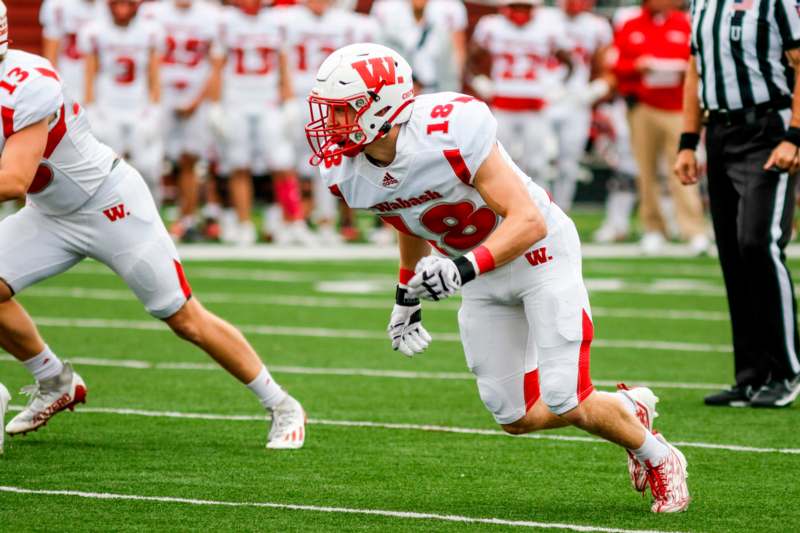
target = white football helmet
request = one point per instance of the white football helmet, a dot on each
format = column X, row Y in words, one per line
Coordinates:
column 362, row 90
column 3, row 29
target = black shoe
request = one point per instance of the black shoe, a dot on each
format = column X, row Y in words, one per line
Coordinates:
column 736, row 396
column 777, row 393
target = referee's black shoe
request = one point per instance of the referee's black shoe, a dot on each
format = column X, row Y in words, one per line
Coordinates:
column 777, row 393
column 736, row 396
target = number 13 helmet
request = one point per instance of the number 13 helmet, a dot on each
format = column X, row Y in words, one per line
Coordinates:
column 362, row 90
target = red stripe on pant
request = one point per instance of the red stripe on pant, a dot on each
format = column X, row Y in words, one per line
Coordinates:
column 531, row 388
column 185, row 287
column 585, row 387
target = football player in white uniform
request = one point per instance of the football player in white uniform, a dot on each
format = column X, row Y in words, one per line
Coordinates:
column 253, row 70
column 62, row 21
column 123, row 92
column 527, row 48
column 432, row 167
column 315, row 28
column 570, row 117
column 83, row 201
column 191, row 29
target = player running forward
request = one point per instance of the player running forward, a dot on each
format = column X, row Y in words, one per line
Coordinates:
column 525, row 319
column 83, row 201
column 191, row 29
column 122, row 92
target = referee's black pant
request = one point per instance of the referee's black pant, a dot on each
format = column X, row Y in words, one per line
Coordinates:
column 752, row 212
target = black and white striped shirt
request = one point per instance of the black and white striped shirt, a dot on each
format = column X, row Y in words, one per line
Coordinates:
column 739, row 48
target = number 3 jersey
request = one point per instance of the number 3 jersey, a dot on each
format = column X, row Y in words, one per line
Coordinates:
column 428, row 189
column 74, row 164
column 123, row 55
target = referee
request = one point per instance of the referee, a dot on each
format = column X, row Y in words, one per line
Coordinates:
column 742, row 79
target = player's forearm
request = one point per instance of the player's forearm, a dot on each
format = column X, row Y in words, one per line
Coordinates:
column 50, row 49
column 214, row 89
column 794, row 59
column 692, row 115
column 90, row 74
column 515, row 235
column 13, row 186
column 154, row 78
column 412, row 249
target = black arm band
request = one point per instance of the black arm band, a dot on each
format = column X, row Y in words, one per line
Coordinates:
column 792, row 136
column 689, row 141
column 401, row 298
column 465, row 269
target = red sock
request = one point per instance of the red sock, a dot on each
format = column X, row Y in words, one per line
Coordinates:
column 287, row 192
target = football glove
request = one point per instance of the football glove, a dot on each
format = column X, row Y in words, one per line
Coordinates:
column 405, row 325
column 436, row 278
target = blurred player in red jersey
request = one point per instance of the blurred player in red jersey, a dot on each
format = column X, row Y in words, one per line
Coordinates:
column 432, row 167
column 84, row 201
column 123, row 91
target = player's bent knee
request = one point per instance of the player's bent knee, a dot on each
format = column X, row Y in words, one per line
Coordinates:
column 187, row 322
column 516, row 428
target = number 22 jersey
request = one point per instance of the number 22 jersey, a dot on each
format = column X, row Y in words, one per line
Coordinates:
column 428, row 189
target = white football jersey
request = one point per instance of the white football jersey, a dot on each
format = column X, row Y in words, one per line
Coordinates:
column 63, row 20
column 252, row 45
column 588, row 33
column 190, row 35
column 123, row 61
column 523, row 60
column 428, row 191
column 74, row 164
column 313, row 38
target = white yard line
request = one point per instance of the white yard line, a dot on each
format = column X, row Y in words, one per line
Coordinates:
column 351, row 372
column 83, row 293
column 319, row 509
column 335, row 333
column 412, row 427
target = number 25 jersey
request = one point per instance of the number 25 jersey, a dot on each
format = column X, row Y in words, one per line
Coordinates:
column 428, row 189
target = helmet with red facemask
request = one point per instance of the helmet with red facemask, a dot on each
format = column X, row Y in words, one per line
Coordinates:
column 123, row 11
column 519, row 12
column 362, row 90
column 3, row 29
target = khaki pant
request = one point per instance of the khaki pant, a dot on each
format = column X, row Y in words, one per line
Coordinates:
column 654, row 141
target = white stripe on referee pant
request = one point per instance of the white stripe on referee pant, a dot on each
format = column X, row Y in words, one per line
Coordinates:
column 784, row 283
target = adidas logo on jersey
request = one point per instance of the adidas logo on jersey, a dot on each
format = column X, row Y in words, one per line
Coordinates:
column 389, row 181
column 400, row 203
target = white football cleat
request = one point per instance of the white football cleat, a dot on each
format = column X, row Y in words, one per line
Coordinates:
column 288, row 429
column 645, row 402
column 668, row 481
column 48, row 397
column 5, row 397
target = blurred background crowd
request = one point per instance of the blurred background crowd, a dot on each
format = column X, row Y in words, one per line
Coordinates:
column 207, row 100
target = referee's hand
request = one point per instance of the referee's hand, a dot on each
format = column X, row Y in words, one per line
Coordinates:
column 686, row 167
column 784, row 158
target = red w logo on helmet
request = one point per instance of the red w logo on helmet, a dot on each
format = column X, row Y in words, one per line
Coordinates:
column 382, row 73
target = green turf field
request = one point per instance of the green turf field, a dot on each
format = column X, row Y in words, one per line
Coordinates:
column 387, row 433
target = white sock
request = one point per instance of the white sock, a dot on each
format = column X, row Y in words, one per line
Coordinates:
column 268, row 391
column 653, row 450
column 46, row 365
